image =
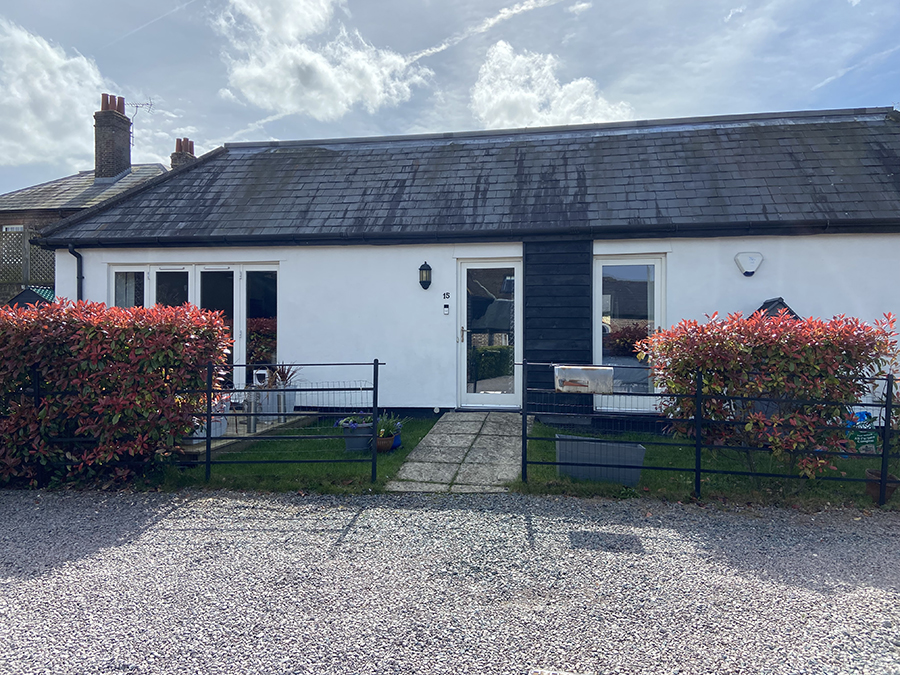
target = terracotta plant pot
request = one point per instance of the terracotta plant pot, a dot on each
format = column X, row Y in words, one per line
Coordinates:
column 873, row 485
column 385, row 443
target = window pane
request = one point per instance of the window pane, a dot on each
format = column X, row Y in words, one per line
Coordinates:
column 628, row 316
column 262, row 317
column 129, row 289
column 217, row 294
column 490, row 330
column 171, row 288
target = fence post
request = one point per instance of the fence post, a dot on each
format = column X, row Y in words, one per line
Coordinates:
column 524, row 420
column 209, row 391
column 886, row 438
column 698, row 431
column 375, row 421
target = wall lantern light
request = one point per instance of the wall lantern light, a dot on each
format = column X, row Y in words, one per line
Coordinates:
column 425, row 275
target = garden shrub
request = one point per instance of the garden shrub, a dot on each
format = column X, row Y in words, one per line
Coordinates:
column 488, row 362
column 121, row 376
column 785, row 360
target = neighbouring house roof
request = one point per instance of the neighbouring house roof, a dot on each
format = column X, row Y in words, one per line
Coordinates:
column 76, row 192
column 774, row 173
column 32, row 295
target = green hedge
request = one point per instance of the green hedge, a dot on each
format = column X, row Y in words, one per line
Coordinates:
column 120, row 376
column 487, row 362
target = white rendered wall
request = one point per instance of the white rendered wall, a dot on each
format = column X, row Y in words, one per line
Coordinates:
column 358, row 303
column 341, row 304
column 819, row 276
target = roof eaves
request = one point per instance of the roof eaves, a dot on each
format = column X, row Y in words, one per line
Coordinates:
column 597, row 232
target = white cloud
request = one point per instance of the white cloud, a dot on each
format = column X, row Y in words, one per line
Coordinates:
column 46, row 111
column 865, row 63
column 280, row 69
column 284, row 20
column 853, row 3
column 736, row 11
column 579, row 7
column 487, row 24
column 519, row 90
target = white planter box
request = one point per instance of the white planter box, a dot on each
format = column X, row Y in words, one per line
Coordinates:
column 268, row 403
column 218, row 428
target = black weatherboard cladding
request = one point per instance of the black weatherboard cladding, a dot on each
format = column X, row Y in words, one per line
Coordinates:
column 775, row 173
column 557, row 310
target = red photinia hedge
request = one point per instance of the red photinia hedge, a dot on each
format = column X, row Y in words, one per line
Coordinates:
column 779, row 358
column 118, row 375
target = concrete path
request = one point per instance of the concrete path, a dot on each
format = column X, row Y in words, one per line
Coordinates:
column 464, row 452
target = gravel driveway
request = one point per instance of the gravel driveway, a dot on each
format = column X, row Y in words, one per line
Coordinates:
column 240, row 583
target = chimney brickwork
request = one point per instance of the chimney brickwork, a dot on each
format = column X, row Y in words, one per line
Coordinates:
column 112, row 139
column 184, row 153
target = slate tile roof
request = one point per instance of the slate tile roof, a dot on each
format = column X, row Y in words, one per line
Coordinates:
column 770, row 173
column 76, row 192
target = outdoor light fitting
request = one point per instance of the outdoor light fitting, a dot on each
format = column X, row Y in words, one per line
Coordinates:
column 425, row 275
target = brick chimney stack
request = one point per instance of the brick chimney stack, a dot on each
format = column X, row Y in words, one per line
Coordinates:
column 112, row 140
column 184, row 153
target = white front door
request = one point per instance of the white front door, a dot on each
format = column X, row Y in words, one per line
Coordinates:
column 490, row 332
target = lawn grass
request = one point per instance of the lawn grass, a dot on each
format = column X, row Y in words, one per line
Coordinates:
column 679, row 486
column 330, row 478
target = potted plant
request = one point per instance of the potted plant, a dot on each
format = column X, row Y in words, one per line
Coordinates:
column 389, row 427
column 219, row 423
column 357, row 432
column 274, row 401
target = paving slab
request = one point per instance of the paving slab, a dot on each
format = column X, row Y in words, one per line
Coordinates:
column 486, row 451
column 437, row 439
column 492, row 428
column 437, row 453
column 512, row 444
column 464, row 417
column 427, row 472
column 486, row 474
column 414, row 486
column 451, row 427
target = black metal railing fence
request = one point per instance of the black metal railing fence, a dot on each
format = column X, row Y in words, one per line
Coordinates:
column 234, row 414
column 629, row 409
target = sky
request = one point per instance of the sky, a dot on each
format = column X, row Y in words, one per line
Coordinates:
column 220, row 71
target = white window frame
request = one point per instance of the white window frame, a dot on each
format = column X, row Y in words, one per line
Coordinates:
column 194, row 271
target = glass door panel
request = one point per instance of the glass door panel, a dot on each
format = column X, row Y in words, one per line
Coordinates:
column 488, row 334
column 262, row 317
column 171, row 288
column 217, row 294
column 629, row 315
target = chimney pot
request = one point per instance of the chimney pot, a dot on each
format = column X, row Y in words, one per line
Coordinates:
column 192, row 148
column 112, row 139
column 177, row 145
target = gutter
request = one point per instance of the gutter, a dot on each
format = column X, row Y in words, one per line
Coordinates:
column 423, row 236
column 79, row 273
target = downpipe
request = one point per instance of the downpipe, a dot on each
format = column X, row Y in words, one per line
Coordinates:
column 79, row 272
